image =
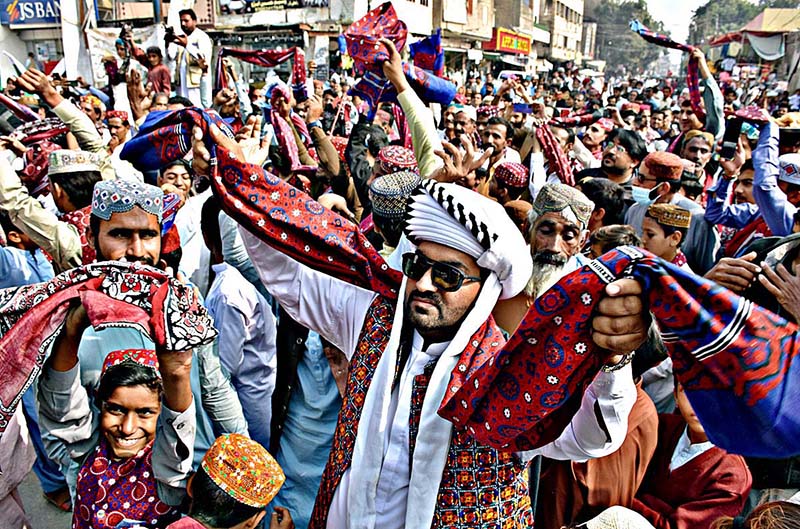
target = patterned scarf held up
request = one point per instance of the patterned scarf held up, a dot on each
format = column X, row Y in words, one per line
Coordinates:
column 737, row 362
column 692, row 68
column 114, row 294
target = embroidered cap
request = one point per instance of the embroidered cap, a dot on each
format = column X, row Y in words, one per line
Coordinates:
column 670, row 215
column 244, row 469
column 121, row 114
column 565, row 200
column 664, row 166
column 789, row 168
column 488, row 111
column 120, row 196
column 605, row 124
column 67, row 161
column 512, row 174
column 389, row 194
column 394, row 158
column 144, row 357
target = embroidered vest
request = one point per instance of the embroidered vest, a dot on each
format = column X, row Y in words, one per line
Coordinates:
column 480, row 487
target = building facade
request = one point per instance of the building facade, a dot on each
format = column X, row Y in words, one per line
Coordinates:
column 564, row 18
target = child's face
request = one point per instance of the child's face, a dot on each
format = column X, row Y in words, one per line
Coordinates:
column 656, row 241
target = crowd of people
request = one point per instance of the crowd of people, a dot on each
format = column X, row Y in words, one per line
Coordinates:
column 546, row 301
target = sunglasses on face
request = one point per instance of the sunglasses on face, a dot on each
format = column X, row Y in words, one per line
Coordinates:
column 443, row 276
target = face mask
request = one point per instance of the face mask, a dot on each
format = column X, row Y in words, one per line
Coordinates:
column 641, row 195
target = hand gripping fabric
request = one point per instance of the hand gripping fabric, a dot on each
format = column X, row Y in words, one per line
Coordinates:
column 692, row 68
column 115, row 295
column 274, row 211
column 736, row 361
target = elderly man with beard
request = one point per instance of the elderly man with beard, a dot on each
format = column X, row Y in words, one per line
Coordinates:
column 558, row 223
column 125, row 225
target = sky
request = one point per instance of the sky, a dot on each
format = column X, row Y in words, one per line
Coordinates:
column 675, row 14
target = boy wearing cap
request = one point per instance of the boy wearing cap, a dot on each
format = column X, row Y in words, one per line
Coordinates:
column 663, row 230
column 235, row 482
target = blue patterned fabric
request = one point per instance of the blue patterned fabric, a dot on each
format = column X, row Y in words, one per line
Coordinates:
column 428, row 53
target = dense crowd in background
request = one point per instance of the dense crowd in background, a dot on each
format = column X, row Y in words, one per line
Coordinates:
column 208, row 278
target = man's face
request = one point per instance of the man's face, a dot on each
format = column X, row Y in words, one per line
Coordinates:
column 434, row 313
column 495, row 135
column 122, row 51
column 688, row 120
column 595, row 136
column 160, row 102
column 328, row 101
column 645, row 179
column 128, row 419
column 698, row 152
column 131, row 236
column 464, row 124
column 555, row 239
column 517, row 119
column 616, row 159
column 476, row 99
column 154, row 59
column 301, row 109
column 187, row 24
column 730, row 97
column 117, row 128
column 178, row 176
column 89, row 110
column 743, row 190
column 580, row 101
column 657, row 121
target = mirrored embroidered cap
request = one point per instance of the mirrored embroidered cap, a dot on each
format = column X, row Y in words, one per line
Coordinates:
column 789, row 168
column 68, row 161
column 144, row 357
column 121, row 114
column 565, row 200
column 390, row 193
column 512, row 174
column 120, row 196
column 488, row 111
column 244, row 469
column 394, row 158
column 670, row 215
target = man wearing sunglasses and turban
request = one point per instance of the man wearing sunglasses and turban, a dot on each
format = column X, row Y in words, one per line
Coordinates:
column 414, row 340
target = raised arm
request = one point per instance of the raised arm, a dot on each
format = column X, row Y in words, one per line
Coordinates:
column 778, row 212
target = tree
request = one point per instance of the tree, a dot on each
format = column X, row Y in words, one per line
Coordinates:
column 718, row 17
column 620, row 47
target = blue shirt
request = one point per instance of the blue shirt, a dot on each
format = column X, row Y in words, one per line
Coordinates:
column 719, row 210
column 22, row 267
column 778, row 212
column 307, row 432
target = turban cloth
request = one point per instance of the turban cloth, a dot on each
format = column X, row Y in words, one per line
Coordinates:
column 580, row 120
column 114, row 294
column 457, row 217
column 736, row 361
column 283, row 130
column 369, row 55
column 557, row 161
column 692, row 68
column 41, row 136
column 265, row 58
column 428, row 53
column 257, row 200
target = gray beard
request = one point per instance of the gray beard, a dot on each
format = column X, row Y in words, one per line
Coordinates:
column 543, row 277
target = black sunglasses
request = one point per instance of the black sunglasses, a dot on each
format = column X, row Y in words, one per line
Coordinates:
column 444, row 276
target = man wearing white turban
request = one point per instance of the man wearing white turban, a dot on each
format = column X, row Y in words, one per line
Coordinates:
column 412, row 339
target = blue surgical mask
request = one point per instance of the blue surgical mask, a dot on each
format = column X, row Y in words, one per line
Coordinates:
column 641, row 195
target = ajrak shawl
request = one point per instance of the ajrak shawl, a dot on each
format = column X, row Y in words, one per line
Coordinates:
column 115, row 294
column 735, row 360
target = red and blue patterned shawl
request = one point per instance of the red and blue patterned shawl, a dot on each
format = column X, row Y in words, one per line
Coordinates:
column 737, row 362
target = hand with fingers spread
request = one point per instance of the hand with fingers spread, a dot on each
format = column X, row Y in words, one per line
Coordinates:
column 36, row 82
column 735, row 274
column 621, row 322
column 784, row 286
column 458, row 166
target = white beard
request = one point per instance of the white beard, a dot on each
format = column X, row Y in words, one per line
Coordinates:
column 543, row 277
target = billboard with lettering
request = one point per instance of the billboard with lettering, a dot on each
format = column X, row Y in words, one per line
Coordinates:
column 31, row 12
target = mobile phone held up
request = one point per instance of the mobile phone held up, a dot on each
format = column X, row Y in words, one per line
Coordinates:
column 733, row 128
